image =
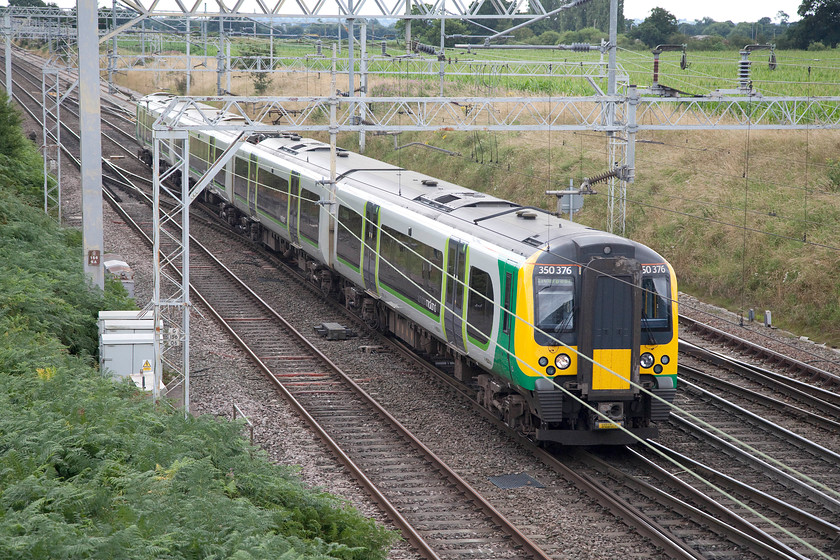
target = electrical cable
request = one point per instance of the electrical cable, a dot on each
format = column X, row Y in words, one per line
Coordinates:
column 727, row 151
column 757, row 213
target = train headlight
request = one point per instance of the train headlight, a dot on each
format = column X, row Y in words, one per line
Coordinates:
column 543, row 361
column 562, row 361
column 665, row 359
column 646, row 360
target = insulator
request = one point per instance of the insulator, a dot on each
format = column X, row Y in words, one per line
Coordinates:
column 772, row 63
column 602, row 177
column 384, row 46
column 581, row 47
column 743, row 69
column 683, row 62
column 318, row 47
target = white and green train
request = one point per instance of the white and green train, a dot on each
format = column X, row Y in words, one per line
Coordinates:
column 568, row 333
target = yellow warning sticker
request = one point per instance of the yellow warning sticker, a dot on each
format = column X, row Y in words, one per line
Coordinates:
column 147, row 367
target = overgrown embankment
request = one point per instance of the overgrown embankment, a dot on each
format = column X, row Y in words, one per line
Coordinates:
column 93, row 469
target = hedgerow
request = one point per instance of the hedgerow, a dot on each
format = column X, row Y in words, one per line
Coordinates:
column 90, row 468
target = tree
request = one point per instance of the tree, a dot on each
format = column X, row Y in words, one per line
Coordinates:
column 27, row 3
column 657, row 27
column 427, row 31
column 719, row 28
column 592, row 14
column 820, row 23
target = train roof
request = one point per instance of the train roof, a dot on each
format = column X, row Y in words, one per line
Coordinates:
column 506, row 224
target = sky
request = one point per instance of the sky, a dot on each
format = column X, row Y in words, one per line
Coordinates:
column 718, row 10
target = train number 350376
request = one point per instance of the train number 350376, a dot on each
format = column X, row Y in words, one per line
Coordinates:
column 654, row 269
column 554, row 270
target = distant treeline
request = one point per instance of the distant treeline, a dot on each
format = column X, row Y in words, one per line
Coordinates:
column 589, row 22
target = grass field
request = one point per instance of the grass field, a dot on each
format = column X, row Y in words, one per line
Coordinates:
column 797, row 73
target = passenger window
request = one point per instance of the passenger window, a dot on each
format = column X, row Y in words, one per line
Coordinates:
column 481, row 307
column 656, row 310
column 273, row 195
column 240, row 179
column 349, row 235
column 507, row 315
column 412, row 268
column 310, row 215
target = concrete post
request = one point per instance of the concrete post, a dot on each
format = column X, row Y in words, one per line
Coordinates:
column 91, row 133
column 7, row 24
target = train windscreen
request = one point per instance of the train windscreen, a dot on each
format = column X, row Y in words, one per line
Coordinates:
column 656, row 309
column 554, row 303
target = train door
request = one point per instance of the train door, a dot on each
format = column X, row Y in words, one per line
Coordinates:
column 456, row 275
column 509, row 276
column 609, row 331
column 294, row 206
column 216, row 151
column 252, row 185
column 370, row 247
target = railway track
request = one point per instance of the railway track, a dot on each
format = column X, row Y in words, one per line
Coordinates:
column 807, row 372
column 310, row 382
column 440, row 514
column 770, row 390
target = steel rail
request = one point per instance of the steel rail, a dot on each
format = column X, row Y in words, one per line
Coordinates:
column 769, row 402
column 739, row 531
column 815, row 523
column 822, row 399
column 731, row 340
column 828, row 502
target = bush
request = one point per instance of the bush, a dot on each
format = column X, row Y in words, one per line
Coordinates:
column 42, row 276
column 711, row 43
column 12, row 142
column 833, row 172
column 548, row 38
column 89, row 470
column 588, row 35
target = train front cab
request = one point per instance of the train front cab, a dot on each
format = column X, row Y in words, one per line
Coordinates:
column 611, row 314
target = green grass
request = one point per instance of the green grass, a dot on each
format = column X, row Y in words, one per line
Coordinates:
column 798, row 73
